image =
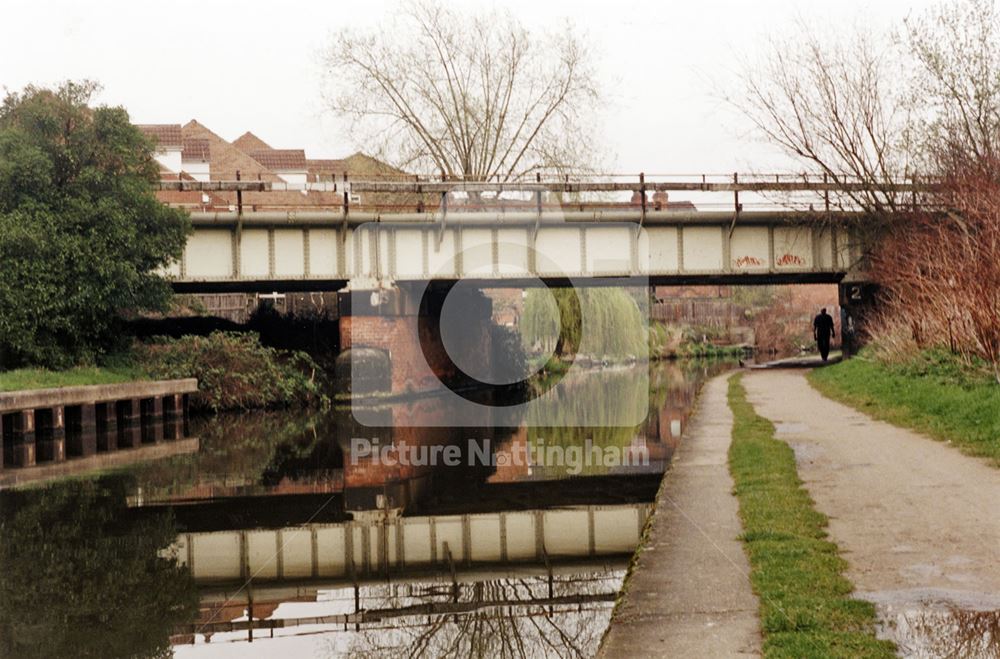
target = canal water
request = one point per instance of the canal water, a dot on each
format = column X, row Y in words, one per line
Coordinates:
column 307, row 534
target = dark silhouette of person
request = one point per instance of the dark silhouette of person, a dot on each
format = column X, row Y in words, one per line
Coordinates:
column 823, row 331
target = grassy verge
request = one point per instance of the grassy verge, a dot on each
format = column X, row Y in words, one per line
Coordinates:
column 930, row 394
column 234, row 371
column 805, row 604
column 40, row 378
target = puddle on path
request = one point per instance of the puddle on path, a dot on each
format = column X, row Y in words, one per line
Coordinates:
column 788, row 428
column 939, row 624
column 806, row 452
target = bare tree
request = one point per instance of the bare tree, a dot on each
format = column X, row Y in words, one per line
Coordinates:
column 873, row 106
column 832, row 106
column 955, row 87
column 473, row 97
column 836, row 107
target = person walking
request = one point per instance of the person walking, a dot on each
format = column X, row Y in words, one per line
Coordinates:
column 823, row 331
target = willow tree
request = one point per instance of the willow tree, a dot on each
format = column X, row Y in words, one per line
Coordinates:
column 603, row 322
column 471, row 97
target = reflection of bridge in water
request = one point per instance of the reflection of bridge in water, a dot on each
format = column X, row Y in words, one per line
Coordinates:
column 480, row 606
column 277, row 497
column 375, row 548
column 434, row 555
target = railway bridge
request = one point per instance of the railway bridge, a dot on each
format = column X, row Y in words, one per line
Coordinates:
column 396, row 256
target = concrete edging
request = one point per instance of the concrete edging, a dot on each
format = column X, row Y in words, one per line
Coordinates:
column 26, row 399
column 689, row 592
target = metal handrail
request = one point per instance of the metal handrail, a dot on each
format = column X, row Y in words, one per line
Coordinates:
column 427, row 185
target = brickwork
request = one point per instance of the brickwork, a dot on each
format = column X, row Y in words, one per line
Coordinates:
column 415, row 368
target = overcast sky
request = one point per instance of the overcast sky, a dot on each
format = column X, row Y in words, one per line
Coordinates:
column 245, row 65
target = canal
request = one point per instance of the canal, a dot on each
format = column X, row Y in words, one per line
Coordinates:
column 309, row 534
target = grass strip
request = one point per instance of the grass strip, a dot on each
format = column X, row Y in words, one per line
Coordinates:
column 934, row 399
column 805, row 605
column 40, row 378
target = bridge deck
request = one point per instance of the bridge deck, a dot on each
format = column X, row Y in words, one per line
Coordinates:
column 522, row 240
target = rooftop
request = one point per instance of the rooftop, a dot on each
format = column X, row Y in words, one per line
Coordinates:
column 280, row 159
column 166, row 136
column 248, row 142
column 196, row 149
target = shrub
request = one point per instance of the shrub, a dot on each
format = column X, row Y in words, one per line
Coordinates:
column 941, row 271
column 234, row 370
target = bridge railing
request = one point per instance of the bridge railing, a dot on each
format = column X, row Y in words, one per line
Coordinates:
column 548, row 193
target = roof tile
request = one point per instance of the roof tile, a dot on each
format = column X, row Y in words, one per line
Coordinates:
column 166, row 136
column 196, row 149
column 280, row 159
column 248, row 142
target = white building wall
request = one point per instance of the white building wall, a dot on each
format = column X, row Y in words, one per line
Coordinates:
column 198, row 170
column 292, row 176
column 169, row 159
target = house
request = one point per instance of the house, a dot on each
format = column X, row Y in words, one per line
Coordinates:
column 196, row 159
column 194, row 152
column 289, row 164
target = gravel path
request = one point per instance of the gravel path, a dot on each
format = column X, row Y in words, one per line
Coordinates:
column 918, row 521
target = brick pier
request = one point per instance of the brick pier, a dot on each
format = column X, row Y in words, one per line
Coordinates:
column 399, row 331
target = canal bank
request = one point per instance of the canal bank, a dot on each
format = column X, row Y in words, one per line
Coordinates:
column 688, row 593
column 50, row 425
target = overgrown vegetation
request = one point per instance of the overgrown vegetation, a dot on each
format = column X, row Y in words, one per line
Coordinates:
column 934, row 392
column 234, row 371
column 942, row 273
column 671, row 341
column 709, row 351
column 805, row 604
column 82, row 235
column 663, row 340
